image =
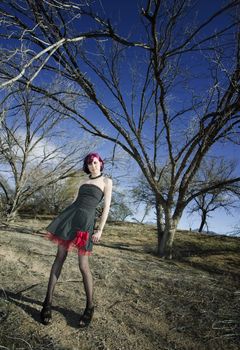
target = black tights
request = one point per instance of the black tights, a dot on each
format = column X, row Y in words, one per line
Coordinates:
column 87, row 279
column 56, row 271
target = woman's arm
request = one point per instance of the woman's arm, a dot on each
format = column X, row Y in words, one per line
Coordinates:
column 107, row 201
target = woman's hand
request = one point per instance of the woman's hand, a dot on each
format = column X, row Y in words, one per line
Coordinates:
column 96, row 236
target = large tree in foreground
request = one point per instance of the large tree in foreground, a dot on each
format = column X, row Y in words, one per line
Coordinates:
column 166, row 93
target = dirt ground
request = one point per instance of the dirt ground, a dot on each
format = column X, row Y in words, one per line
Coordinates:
column 142, row 302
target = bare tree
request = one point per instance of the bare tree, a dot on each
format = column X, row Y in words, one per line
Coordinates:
column 161, row 111
column 120, row 209
column 236, row 231
column 225, row 198
column 35, row 150
column 51, row 199
column 143, row 194
column 207, row 203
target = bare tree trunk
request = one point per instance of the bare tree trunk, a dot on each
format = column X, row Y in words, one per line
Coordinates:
column 160, row 225
column 203, row 221
column 11, row 215
column 12, row 210
column 166, row 243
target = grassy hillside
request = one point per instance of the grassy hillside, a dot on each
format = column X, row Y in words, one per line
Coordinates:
column 142, row 302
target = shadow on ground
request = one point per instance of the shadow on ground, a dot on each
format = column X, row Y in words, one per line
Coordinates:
column 23, row 302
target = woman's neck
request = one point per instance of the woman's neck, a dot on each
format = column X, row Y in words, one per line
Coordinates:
column 93, row 176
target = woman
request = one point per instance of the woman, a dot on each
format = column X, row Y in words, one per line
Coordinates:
column 74, row 227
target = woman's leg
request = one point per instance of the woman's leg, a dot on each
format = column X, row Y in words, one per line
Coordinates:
column 88, row 286
column 55, row 272
column 87, row 279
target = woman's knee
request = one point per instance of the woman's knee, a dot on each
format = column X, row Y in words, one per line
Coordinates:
column 83, row 265
column 61, row 253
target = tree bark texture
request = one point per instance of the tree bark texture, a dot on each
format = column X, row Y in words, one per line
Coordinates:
column 165, row 245
column 203, row 221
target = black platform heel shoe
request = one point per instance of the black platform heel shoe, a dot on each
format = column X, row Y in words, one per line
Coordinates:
column 46, row 314
column 86, row 318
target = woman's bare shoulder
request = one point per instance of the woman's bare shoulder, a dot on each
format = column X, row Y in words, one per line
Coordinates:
column 107, row 181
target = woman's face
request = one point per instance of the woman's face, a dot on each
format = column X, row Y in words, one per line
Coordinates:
column 95, row 166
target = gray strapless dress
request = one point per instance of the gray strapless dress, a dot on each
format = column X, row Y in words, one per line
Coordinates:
column 74, row 226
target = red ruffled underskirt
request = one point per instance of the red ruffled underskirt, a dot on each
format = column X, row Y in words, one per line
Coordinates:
column 78, row 242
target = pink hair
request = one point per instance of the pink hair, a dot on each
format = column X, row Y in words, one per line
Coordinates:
column 88, row 160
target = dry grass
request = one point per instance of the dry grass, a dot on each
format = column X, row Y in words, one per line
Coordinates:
column 142, row 302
